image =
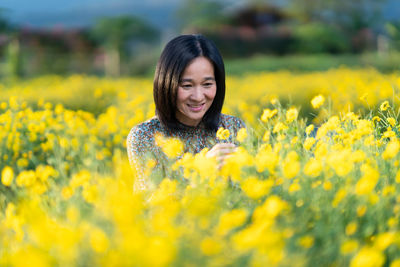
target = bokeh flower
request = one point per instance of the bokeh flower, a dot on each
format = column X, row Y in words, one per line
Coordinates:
column 317, row 101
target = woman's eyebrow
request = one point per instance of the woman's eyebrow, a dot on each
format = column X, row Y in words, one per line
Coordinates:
column 191, row 80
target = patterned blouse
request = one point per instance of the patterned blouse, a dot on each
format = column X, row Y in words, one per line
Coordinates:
column 141, row 144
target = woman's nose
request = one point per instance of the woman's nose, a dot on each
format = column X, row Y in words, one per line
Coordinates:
column 197, row 94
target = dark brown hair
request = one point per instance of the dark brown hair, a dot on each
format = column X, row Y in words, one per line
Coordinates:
column 177, row 54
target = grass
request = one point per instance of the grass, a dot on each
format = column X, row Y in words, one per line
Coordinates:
column 318, row 62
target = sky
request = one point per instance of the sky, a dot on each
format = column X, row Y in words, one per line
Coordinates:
column 81, row 13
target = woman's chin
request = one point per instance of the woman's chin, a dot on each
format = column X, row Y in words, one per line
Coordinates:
column 191, row 120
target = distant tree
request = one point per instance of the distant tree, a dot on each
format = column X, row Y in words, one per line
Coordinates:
column 393, row 31
column 115, row 33
column 350, row 15
column 12, row 65
column 195, row 14
column 5, row 25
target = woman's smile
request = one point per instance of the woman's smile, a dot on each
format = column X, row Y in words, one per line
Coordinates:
column 196, row 107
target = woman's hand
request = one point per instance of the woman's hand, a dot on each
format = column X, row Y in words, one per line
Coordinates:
column 221, row 152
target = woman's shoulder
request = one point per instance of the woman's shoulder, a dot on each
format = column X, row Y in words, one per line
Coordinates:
column 229, row 121
column 145, row 130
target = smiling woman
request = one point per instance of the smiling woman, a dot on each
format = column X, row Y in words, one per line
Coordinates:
column 189, row 91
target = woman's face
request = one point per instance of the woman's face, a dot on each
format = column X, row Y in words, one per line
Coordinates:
column 196, row 91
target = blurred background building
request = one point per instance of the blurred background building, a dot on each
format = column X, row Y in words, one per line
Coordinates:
column 124, row 37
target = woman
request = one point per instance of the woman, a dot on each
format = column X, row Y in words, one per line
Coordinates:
column 189, row 91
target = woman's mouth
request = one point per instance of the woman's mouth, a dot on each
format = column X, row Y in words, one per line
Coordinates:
column 195, row 108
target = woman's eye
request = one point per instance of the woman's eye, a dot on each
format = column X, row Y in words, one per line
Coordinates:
column 186, row 85
column 208, row 84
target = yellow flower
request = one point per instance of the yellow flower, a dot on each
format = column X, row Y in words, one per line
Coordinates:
column 266, row 159
column 397, row 178
column 294, row 188
column 230, row 220
column 306, row 241
column 7, row 176
column 391, row 150
column 395, row 263
column 67, row 192
column 44, row 172
column 209, row 246
column 384, row 240
column 171, row 146
column 294, row 140
column 318, row 101
column 266, row 136
column 389, row 133
column 349, row 246
column 309, row 129
column 313, row 167
column 368, row 257
column 272, row 207
column 308, row 143
column 361, row 210
column 340, row 161
column 256, row 188
column 291, row 114
column 364, row 97
column 26, row 178
column 368, row 181
column 384, row 106
column 165, row 191
column 268, row 114
column 391, row 121
column 241, row 135
column 79, row 179
column 388, row 190
column 98, row 240
column 327, row 185
column 22, row 162
column 350, row 116
column 291, row 165
column 72, row 214
column 392, row 222
column 351, row 228
column 223, row 134
column 279, row 127
column 358, row 156
column 376, row 118
column 90, row 193
column 274, row 100
column 340, row 195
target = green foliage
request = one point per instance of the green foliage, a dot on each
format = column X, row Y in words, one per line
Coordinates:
column 200, row 14
column 115, row 32
column 351, row 15
column 5, row 25
column 314, row 62
column 13, row 64
column 393, row 30
column 318, row 38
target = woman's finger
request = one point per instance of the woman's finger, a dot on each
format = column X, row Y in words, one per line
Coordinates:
column 222, row 149
column 225, row 145
column 225, row 151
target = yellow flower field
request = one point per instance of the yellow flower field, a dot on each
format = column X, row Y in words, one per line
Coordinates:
column 314, row 182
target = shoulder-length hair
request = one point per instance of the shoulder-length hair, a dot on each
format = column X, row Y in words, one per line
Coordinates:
column 177, row 54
